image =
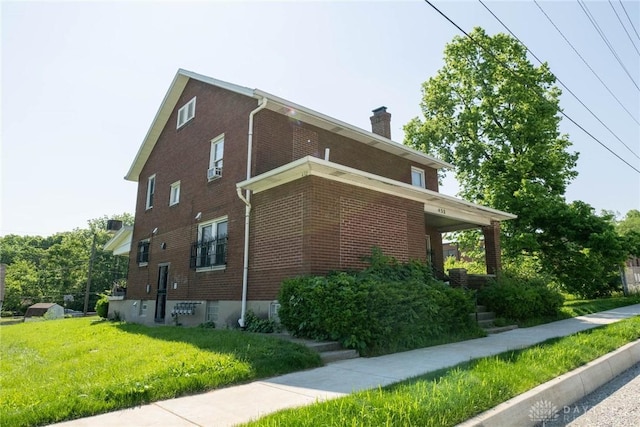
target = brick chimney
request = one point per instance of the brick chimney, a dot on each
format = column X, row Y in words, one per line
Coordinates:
column 381, row 122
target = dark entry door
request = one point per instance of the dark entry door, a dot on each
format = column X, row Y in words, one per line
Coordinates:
column 161, row 299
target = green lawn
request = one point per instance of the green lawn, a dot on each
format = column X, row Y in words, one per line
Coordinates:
column 451, row 396
column 64, row 369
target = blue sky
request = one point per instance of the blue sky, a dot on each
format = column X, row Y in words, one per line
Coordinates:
column 81, row 82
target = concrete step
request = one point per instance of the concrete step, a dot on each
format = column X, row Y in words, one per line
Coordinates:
column 485, row 315
column 323, row 346
column 498, row 329
column 485, row 324
column 337, row 355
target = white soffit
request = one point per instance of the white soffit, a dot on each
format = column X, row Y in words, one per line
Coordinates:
column 453, row 211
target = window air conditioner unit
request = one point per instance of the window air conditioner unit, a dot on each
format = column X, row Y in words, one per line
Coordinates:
column 214, row 173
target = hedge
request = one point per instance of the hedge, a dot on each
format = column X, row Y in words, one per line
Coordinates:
column 386, row 308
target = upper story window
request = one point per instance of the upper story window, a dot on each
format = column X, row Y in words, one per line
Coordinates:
column 210, row 250
column 215, row 158
column 417, row 177
column 174, row 196
column 142, row 257
column 151, row 189
column 186, row 112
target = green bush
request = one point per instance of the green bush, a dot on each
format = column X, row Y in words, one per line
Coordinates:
column 253, row 323
column 520, row 298
column 102, row 306
column 388, row 307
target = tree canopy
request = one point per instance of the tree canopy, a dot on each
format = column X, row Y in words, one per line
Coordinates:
column 495, row 116
column 498, row 127
column 45, row 269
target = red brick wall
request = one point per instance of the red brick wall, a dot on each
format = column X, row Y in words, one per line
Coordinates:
column 278, row 140
column 340, row 225
column 183, row 154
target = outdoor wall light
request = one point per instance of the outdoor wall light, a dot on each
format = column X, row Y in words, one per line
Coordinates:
column 148, row 288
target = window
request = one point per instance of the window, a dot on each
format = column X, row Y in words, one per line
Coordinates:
column 151, row 189
column 174, row 197
column 186, row 112
column 212, row 311
column 417, row 177
column 215, row 158
column 210, row 250
column 143, row 252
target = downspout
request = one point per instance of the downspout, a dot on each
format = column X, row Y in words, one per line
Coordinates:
column 247, row 211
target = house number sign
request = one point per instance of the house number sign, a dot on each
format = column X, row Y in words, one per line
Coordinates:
column 442, row 210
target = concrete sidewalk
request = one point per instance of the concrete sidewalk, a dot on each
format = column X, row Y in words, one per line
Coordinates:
column 238, row 404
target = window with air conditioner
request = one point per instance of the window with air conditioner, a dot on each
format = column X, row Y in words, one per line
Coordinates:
column 186, row 113
column 209, row 252
column 215, row 158
column 151, row 189
column 174, row 196
column 417, row 177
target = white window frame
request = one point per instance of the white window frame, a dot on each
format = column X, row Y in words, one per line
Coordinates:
column 214, row 229
column 151, row 190
column 420, row 173
column 186, row 113
column 174, row 193
column 214, row 160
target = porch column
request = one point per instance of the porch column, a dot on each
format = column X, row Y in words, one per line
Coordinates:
column 492, row 247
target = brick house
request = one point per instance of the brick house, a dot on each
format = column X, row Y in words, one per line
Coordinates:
column 239, row 189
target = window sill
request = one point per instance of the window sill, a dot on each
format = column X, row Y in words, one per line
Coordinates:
column 143, row 264
column 213, row 268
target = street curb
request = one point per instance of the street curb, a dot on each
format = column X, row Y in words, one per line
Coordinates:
column 559, row 392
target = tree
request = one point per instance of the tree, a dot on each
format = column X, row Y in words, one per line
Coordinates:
column 629, row 229
column 499, row 128
column 47, row 268
column 581, row 249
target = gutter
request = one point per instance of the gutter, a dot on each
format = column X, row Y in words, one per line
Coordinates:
column 247, row 212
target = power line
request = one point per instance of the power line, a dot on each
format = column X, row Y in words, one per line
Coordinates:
column 623, row 27
column 593, row 21
column 629, row 18
column 505, row 66
column 585, row 61
column 566, row 87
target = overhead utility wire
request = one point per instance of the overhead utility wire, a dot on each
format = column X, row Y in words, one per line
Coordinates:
column 565, row 86
column 630, row 21
column 624, row 28
column 505, row 66
column 593, row 21
column 584, row 61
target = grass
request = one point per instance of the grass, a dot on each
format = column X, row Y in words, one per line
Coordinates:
column 454, row 395
column 574, row 307
column 65, row 369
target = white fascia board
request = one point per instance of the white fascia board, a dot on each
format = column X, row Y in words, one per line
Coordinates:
column 120, row 243
column 434, row 202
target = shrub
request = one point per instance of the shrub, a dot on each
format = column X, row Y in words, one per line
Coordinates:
column 388, row 307
column 102, row 306
column 521, row 298
column 207, row 325
column 253, row 323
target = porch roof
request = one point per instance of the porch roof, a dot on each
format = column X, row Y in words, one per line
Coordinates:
column 445, row 213
column 120, row 243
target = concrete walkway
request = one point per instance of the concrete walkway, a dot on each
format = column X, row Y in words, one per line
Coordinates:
column 238, row 404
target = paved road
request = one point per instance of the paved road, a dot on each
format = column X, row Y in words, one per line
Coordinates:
column 615, row 404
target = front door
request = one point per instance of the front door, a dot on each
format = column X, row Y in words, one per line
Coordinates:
column 161, row 299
